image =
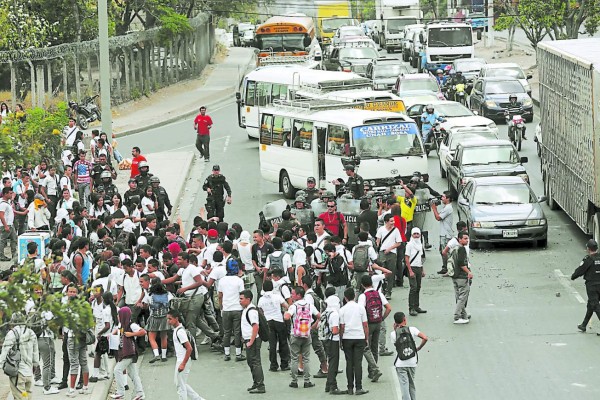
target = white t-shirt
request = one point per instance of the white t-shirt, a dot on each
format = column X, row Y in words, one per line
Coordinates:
column 146, row 203
column 453, row 244
column 246, row 256
column 51, row 184
column 9, row 215
column 209, row 253
column 287, row 261
column 231, row 286
column 334, row 321
column 107, row 314
column 378, row 277
column 411, row 362
column 218, row 271
column 293, row 310
column 179, row 340
column 392, row 239
column 282, row 286
column 321, row 240
column 65, row 182
column 414, row 255
column 187, row 275
column 270, row 302
column 133, row 290
column 362, row 299
column 352, row 316
column 253, row 317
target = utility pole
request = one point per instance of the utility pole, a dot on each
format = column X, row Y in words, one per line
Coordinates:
column 490, row 24
column 104, row 64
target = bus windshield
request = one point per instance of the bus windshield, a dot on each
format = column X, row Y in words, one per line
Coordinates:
column 279, row 42
column 387, row 140
column 331, row 24
column 449, row 37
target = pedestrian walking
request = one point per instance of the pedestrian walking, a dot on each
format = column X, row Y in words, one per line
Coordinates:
column 76, row 349
column 446, row 219
column 413, row 258
column 202, row 124
column 183, row 352
column 388, row 240
column 216, row 186
column 137, row 157
column 313, row 299
column 404, row 338
column 7, row 218
column 329, row 334
column 83, row 176
column 461, row 279
column 271, row 303
column 589, row 269
column 250, row 324
column 127, row 356
column 301, row 314
column 354, row 334
column 157, row 324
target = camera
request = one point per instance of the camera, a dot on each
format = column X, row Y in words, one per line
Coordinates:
column 435, row 201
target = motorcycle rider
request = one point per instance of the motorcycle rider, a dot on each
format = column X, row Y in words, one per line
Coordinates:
column 109, row 187
column 514, row 108
column 457, row 79
column 163, row 199
column 143, row 179
column 354, row 185
column 132, row 192
column 216, row 185
column 428, row 118
column 441, row 78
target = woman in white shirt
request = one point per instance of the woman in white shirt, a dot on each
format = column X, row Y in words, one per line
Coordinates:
column 98, row 209
column 149, row 203
column 117, row 205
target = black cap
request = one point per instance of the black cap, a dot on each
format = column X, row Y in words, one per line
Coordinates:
column 216, row 167
column 131, row 181
column 311, row 179
column 349, row 167
column 592, row 245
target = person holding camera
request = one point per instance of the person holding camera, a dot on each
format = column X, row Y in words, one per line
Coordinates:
column 446, row 218
column 355, row 183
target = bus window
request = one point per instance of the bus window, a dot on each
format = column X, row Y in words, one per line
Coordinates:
column 263, row 92
column 338, row 140
column 265, row 129
column 302, row 135
column 279, row 92
column 250, row 93
column 282, row 131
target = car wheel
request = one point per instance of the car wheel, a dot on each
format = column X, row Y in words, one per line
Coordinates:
column 539, row 149
column 542, row 243
column 286, row 185
column 529, row 118
column 443, row 173
column 548, row 192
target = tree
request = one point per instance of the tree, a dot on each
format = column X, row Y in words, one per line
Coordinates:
column 569, row 15
column 21, row 28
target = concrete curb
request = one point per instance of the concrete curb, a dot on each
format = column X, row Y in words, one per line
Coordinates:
column 185, row 178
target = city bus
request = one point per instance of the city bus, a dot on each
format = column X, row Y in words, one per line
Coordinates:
column 299, row 139
column 288, row 37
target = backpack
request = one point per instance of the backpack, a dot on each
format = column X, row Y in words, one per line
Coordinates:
column 276, row 262
column 281, row 289
column 316, row 300
column 361, row 258
column 302, row 321
column 324, row 330
column 451, row 262
column 192, row 340
column 374, row 306
column 263, row 325
column 405, row 344
column 13, row 359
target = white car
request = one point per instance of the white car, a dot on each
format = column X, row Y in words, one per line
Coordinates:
column 538, row 138
column 455, row 136
column 345, row 32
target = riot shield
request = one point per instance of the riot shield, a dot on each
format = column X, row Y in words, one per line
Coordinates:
column 304, row 216
column 272, row 211
column 350, row 208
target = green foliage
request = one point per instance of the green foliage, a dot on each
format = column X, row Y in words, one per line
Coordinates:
column 172, row 24
column 21, row 27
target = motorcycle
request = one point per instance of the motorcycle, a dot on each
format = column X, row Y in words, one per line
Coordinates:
column 434, row 138
column 516, row 128
column 86, row 112
column 459, row 93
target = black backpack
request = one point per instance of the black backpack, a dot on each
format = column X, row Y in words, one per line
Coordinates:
column 263, row 325
column 192, row 340
column 405, row 344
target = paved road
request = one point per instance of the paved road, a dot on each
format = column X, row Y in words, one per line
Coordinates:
column 522, row 342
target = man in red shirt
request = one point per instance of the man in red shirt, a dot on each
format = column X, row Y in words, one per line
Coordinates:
column 335, row 220
column 202, row 124
column 137, row 157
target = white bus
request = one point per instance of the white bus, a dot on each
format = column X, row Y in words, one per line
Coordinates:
column 302, row 139
column 265, row 84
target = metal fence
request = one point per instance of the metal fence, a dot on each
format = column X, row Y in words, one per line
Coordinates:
column 140, row 63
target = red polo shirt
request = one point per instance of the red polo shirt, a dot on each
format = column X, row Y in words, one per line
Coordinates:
column 134, row 165
column 203, row 122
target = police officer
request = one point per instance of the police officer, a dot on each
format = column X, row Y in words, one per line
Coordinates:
column 301, row 211
column 216, row 185
column 589, row 268
column 133, row 193
column 109, row 187
column 163, row 199
column 101, row 166
column 355, row 184
column 143, row 179
column 311, row 192
column 416, row 182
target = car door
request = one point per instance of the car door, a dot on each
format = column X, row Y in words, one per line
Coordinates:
column 415, row 112
column 464, row 202
column 453, row 171
column 476, row 97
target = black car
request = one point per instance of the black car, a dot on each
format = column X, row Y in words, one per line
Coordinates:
column 384, row 72
column 350, row 59
column 489, row 96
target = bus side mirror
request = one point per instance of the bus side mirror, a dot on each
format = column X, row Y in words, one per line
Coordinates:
column 421, row 38
column 307, row 41
column 352, row 151
column 238, row 96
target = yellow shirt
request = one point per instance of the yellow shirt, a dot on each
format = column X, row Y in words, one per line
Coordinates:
column 407, row 210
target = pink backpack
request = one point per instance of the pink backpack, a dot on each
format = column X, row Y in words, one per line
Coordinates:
column 302, row 321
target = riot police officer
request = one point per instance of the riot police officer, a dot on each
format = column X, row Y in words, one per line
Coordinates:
column 143, row 179
column 355, row 184
column 162, row 197
column 311, row 191
column 216, row 185
column 301, row 211
column 133, row 193
column 109, row 187
column 589, row 268
column 101, row 166
column 416, row 182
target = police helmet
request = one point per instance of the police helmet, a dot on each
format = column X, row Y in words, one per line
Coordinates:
column 300, row 199
column 328, row 194
column 300, row 193
column 143, row 164
column 154, row 179
column 105, row 174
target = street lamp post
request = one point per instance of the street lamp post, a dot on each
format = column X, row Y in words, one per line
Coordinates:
column 104, row 64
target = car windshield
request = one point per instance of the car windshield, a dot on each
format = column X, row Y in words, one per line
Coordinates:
column 287, row 42
column 389, row 70
column 331, row 24
column 503, row 194
column 469, row 66
column 407, row 85
column 449, row 37
column 351, row 32
column 489, row 155
column 452, row 110
column 501, row 87
column 513, row 72
column 387, row 140
column 358, row 52
column 458, row 138
column 397, row 25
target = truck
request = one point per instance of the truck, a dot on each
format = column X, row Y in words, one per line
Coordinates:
column 330, row 16
column 444, row 42
column 394, row 16
column 569, row 79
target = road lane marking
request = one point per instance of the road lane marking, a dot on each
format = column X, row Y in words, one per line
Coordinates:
column 397, row 389
column 567, row 285
column 226, row 143
column 194, row 145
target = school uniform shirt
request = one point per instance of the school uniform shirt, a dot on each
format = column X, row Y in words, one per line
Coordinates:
column 51, row 183
column 131, row 285
column 209, row 253
column 352, row 316
column 378, row 277
column 147, row 203
column 293, row 310
column 9, row 214
column 392, row 239
column 334, row 321
column 98, row 313
column 179, row 340
column 414, row 255
column 231, row 286
column 320, row 240
column 282, row 286
column 287, row 261
column 253, row 317
column 187, row 275
column 246, row 256
column 217, row 273
column 411, row 362
column 66, row 182
column 453, row 244
column 270, row 303
column 344, row 252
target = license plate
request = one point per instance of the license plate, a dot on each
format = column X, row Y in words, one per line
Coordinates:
column 512, row 233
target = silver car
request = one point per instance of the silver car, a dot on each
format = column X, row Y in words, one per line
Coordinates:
column 502, row 209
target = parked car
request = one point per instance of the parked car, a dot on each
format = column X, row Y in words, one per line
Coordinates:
column 489, row 96
column 502, row 209
column 407, row 83
column 384, row 71
column 469, row 67
column 350, row 59
column 407, row 38
column 345, row 32
column 506, row 70
column 455, row 115
column 484, row 158
column 414, row 51
column 248, row 38
column 456, row 136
